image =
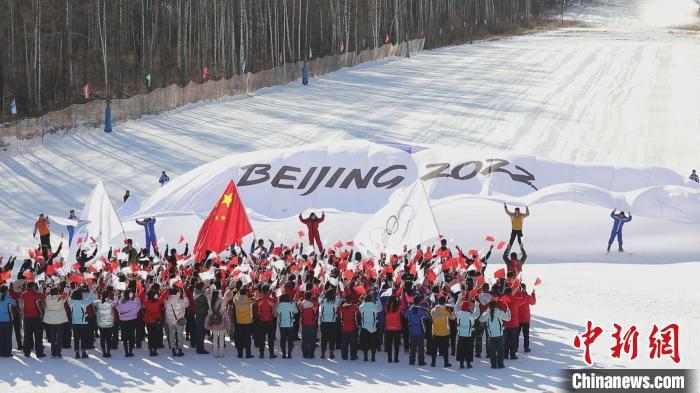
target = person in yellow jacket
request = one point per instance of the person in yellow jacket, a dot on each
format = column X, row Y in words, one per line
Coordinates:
column 244, row 322
column 441, row 330
column 516, row 220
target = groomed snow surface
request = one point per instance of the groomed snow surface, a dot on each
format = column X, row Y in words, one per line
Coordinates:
column 622, row 87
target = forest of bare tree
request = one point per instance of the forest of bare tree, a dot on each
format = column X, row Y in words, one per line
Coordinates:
column 52, row 49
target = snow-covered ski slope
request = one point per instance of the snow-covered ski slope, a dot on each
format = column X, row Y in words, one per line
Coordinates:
column 617, row 90
column 623, row 88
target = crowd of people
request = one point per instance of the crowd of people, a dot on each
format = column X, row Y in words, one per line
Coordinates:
column 434, row 302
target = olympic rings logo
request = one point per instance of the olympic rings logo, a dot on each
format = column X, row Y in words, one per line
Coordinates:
column 396, row 225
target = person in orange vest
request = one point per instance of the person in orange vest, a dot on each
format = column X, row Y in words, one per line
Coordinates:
column 42, row 226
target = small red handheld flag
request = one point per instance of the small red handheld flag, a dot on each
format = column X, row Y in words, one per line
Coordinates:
column 300, row 233
column 500, row 245
column 182, row 239
column 338, row 244
column 500, row 273
column 538, row 281
column 490, row 238
column 227, row 223
column 349, row 244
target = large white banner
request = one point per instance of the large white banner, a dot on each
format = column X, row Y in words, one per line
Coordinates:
column 360, row 176
column 99, row 226
column 406, row 220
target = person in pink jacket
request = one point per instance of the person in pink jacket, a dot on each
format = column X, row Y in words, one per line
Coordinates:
column 128, row 309
column 218, row 322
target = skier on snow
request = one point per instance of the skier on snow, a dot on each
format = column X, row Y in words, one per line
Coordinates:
column 619, row 221
column 164, row 179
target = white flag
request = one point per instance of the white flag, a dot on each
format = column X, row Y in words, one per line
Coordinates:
column 99, row 224
column 407, row 219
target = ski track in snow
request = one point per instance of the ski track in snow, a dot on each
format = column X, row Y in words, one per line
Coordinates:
column 623, row 88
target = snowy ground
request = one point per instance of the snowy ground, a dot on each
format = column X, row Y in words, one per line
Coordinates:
column 622, row 88
column 570, row 293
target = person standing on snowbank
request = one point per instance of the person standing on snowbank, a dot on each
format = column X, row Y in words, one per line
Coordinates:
column 164, row 179
column 42, row 226
column 312, row 225
column 149, row 226
column 694, row 177
column 516, row 220
column 619, row 221
column 71, row 228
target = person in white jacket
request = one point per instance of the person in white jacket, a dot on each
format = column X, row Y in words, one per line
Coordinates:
column 104, row 314
column 55, row 318
column 494, row 318
column 175, row 307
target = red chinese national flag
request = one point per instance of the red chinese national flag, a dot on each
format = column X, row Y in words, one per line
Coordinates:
column 538, row 281
column 227, row 223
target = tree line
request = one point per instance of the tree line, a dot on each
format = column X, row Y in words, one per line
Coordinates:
column 51, row 50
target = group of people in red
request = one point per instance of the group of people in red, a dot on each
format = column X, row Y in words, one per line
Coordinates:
column 434, row 302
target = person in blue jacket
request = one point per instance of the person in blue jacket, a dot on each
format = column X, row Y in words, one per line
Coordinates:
column 6, row 302
column 417, row 316
column 619, row 221
column 164, row 179
column 71, row 228
column 149, row 226
column 286, row 310
column 78, row 302
column 694, row 177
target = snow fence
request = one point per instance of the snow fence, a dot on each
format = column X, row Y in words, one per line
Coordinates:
column 91, row 114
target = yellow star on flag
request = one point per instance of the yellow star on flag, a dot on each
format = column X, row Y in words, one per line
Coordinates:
column 227, row 199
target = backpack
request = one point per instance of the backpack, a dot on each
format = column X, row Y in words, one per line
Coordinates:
column 216, row 318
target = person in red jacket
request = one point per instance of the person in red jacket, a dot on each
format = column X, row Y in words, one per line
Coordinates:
column 513, row 302
column 32, row 306
column 524, row 316
column 312, row 226
column 308, row 308
column 264, row 311
column 348, row 321
column 392, row 328
column 152, row 317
